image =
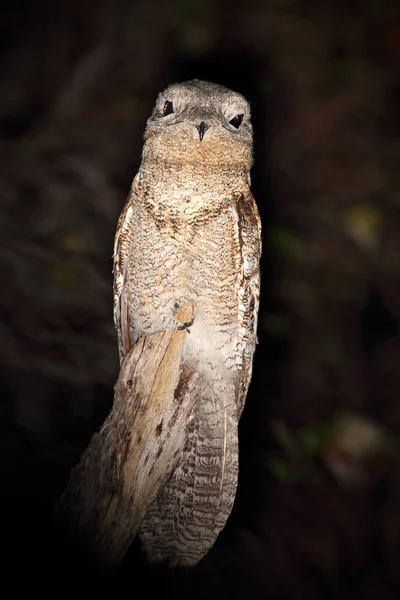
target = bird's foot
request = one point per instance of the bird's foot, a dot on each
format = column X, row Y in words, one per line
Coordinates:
column 185, row 317
column 186, row 325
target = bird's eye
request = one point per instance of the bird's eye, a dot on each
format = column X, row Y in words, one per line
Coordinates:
column 168, row 108
column 236, row 121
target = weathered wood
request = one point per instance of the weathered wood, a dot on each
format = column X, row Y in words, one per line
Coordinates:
column 135, row 451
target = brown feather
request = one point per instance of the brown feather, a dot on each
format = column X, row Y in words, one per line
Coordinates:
column 190, row 234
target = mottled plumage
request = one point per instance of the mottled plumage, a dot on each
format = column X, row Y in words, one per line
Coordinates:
column 190, row 233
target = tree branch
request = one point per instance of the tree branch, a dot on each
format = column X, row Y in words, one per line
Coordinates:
column 135, row 451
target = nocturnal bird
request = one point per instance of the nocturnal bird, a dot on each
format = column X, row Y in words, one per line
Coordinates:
column 190, row 233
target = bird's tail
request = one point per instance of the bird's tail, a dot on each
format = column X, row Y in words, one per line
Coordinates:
column 184, row 521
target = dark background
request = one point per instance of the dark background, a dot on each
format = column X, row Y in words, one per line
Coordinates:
column 317, row 514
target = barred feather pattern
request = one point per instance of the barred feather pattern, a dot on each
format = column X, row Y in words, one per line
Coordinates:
column 190, row 233
column 185, row 520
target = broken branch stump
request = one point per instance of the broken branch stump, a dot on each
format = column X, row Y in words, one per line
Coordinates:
column 134, row 453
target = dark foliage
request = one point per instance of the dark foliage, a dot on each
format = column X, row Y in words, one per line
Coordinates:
column 317, row 514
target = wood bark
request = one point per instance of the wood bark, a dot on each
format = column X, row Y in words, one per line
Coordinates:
column 134, row 453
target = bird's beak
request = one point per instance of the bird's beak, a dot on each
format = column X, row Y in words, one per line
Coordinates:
column 202, row 128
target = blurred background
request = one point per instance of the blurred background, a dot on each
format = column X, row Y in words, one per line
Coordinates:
column 317, row 514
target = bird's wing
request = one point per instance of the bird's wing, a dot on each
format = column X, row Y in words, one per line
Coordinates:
column 249, row 238
column 121, row 245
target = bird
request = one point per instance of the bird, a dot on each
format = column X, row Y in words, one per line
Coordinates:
column 190, row 233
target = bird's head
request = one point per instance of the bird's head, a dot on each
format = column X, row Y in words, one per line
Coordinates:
column 198, row 122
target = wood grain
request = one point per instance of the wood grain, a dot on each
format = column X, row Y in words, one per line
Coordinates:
column 135, row 451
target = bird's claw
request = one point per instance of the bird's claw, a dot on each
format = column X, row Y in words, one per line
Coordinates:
column 186, row 325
